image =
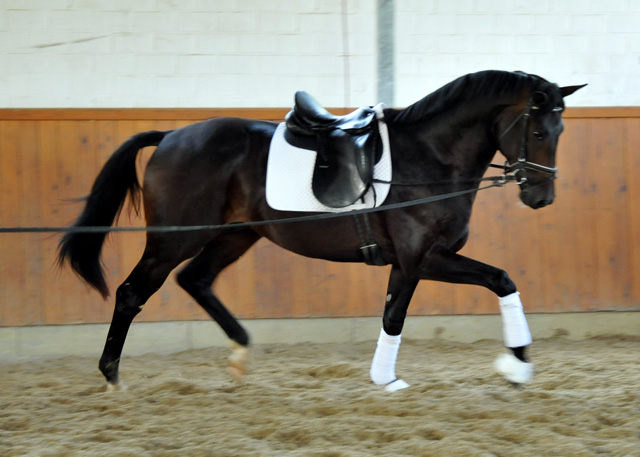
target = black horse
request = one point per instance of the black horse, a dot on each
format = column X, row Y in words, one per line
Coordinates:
column 213, row 173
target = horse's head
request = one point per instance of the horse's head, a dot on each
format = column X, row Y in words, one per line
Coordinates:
column 528, row 137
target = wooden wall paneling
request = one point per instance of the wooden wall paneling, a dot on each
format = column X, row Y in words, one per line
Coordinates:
column 273, row 294
column 54, row 186
column 349, row 296
column 13, row 264
column 353, row 289
column 585, row 211
column 588, row 260
column 305, row 280
column 27, row 151
column 329, row 284
column 562, row 252
column 47, row 194
column 632, row 167
column 292, row 295
column 5, row 195
column 300, row 272
column 362, row 296
column 50, row 194
column 610, row 228
column 74, row 152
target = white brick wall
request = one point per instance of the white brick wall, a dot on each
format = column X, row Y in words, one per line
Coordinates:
column 219, row 53
column 566, row 41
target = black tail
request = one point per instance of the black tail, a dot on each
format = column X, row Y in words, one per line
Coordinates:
column 118, row 176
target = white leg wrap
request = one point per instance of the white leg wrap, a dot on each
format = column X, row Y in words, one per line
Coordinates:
column 514, row 325
column 383, row 367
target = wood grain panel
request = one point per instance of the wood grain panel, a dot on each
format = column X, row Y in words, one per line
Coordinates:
column 13, row 266
column 579, row 254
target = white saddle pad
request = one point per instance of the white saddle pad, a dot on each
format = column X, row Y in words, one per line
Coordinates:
column 290, row 170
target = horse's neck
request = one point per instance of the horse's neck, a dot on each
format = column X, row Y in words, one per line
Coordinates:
column 461, row 145
column 475, row 147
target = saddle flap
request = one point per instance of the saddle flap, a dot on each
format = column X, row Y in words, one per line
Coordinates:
column 344, row 167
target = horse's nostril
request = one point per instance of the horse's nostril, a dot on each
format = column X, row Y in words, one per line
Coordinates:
column 542, row 203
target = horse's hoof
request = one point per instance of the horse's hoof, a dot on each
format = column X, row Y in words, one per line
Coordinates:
column 115, row 387
column 238, row 361
column 396, row 385
column 513, row 369
column 237, row 373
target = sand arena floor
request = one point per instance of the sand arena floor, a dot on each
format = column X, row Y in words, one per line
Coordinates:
column 316, row 400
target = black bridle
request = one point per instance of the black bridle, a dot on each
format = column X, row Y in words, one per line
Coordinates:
column 522, row 164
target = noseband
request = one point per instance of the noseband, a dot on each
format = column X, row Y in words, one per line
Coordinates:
column 522, row 164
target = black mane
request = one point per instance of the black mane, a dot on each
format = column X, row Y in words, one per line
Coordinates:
column 483, row 85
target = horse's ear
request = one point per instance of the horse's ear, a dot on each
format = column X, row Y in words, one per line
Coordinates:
column 568, row 90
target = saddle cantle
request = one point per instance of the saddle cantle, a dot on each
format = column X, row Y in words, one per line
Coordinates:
column 347, row 148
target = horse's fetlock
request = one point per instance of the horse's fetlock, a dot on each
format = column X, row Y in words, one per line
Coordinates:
column 520, row 353
column 504, row 284
column 110, row 370
column 392, row 326
column 241, row 337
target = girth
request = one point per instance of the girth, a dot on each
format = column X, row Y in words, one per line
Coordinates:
column 347, row 148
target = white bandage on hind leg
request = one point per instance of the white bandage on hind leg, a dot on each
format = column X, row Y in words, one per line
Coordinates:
column 514, row 324
column 383, row 367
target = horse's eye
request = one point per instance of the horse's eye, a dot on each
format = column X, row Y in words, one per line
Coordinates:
column 538, row 135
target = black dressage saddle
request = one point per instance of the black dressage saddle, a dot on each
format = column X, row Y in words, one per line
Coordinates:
column 347, row 148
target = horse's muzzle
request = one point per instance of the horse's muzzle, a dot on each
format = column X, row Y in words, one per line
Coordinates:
column 539, row 195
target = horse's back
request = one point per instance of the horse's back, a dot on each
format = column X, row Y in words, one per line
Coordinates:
column 193, row 167
column 214, row 136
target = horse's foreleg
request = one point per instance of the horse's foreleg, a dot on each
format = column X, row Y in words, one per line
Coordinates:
column 442, row 264
column 198, row 276
column 399, row 295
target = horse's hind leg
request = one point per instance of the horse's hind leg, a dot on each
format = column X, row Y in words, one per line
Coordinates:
column 145, row 279
column 197, row 278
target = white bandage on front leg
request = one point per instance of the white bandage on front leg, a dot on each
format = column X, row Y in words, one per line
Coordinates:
column 514, row 324
column 383, row 367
